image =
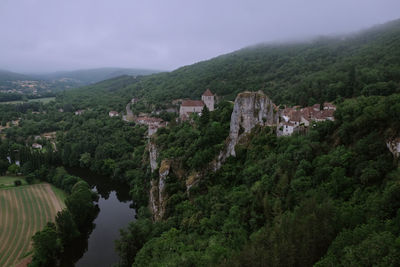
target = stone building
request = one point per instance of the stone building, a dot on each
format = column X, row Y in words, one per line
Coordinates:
column 208, row 99
column 196, row 106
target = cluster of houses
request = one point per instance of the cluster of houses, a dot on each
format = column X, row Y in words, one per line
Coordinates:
column 50, row 136
column 294, row 119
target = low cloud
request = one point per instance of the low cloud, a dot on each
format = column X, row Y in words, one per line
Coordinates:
column 50, row 35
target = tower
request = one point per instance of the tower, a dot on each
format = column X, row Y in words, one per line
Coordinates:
column 208, row 99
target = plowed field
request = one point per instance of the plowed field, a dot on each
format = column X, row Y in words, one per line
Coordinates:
column 23, row 211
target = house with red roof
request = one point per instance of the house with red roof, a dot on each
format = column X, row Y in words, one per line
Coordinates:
column 293, row 119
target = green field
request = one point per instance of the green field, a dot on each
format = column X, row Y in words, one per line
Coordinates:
column 7, row 181
column 24, row 210
column 44, row 100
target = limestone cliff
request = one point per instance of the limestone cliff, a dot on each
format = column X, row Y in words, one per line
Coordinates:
column 157, row 191
column 393, row 145
column 250, row 109
column 153, row 155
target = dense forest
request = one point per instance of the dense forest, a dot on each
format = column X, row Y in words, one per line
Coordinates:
column 330, row 197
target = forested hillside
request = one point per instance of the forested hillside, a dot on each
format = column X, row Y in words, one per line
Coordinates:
column 88, row 76
column 324, row 69
column 12, row 76
column 329, row 196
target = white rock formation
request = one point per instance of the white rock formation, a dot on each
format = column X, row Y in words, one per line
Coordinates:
column 250, row 109
column 153, row 155
column 157, row 191
column 394, row 146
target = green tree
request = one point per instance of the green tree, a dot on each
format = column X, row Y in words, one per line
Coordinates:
column 205, row 116
column 80, row 205
column 85, row 160
column 46, row 247
column 66, row 227
column 3, row 167
column 13, row 169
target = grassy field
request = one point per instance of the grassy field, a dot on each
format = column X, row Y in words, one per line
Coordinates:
column 23, row 211
column 44, row 100
column 7, row 181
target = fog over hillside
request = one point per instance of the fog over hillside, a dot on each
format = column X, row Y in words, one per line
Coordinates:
column 48, row 36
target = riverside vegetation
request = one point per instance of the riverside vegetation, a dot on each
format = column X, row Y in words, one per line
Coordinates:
column 330, row 197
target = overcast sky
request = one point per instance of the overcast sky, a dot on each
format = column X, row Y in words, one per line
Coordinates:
column 50, row 35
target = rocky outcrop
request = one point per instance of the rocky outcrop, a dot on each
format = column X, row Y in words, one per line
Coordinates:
column 153, row 155
column 157, row 191
column 393, row 145
column 250, row 109
column 192, row 180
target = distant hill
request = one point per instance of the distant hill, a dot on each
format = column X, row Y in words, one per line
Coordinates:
column 50, row 83
column 12, row 76
column 89, row 76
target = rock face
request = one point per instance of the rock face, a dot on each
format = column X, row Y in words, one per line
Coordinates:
column 153, row 155
column 394, row 146
column 250, row 109
column 157, row 191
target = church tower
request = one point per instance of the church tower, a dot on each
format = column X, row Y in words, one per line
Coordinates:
column 208, row 99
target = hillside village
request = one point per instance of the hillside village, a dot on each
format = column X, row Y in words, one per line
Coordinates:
column 295, row 119
column 291, row 119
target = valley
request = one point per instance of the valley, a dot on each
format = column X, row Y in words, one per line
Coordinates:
column 272, row 155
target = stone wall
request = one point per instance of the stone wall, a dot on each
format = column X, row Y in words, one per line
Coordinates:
column 184, row 110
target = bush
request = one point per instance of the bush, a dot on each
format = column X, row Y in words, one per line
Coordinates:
column 29, row 179
column 17, row 182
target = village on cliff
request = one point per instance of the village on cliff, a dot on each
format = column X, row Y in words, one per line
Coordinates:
column 289, row 119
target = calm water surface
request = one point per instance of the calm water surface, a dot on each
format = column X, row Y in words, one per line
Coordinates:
column 115, row 213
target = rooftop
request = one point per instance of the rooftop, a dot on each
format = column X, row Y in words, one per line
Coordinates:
column 192, row 103
column 208, row 93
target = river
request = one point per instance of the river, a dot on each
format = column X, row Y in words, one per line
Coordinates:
column 115, row 213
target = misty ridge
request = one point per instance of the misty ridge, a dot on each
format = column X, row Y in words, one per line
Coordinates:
column 92, row 75
column 254, row 67
column 165, row 36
